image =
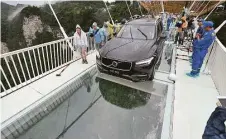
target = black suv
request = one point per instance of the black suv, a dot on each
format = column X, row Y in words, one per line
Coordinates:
column 135, row 51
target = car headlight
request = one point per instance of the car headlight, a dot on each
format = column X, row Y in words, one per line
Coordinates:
column 98, row 54
column 145, row 62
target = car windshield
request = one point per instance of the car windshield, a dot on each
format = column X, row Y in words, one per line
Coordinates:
column 138, row 32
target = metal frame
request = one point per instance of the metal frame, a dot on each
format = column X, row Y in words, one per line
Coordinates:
column 42, row 60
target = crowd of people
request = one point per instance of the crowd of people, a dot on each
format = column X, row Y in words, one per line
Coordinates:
column 180, row 24
column 202, row 40
column 98, row 35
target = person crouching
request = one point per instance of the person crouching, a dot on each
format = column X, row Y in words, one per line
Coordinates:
column 80, row 41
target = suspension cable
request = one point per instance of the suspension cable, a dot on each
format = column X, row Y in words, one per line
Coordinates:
column 109, row 13
column 61, row 28
column 196, row 6
column 159, row 7
column 162, row 6
column 192, row 5
column 140, row 8
column 129, row 9
column 213, row 10
column 200, row 6
column 203, row 9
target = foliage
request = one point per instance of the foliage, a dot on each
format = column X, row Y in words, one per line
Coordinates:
column 122, row 96
column 42, row 37
column 218, row 18
column 31, row 10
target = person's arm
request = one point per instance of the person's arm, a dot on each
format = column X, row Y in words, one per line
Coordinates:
column 110, row 25
column 90, row 31
column 205, row 40
column 75, row 40
column 86, row 39
column 101, row 35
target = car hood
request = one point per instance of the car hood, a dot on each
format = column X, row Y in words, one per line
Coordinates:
column 128, row 49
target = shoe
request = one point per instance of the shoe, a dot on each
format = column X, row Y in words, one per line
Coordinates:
column 83, row 61
column 86, row 62
column 192, row 75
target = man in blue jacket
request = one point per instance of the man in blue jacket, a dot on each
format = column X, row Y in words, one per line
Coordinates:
column 169, row 21
column 98, row 34
column 201, row 46
column 199, row 33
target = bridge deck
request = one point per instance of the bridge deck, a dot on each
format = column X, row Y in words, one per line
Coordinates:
column 24, row 97
column 195, row 100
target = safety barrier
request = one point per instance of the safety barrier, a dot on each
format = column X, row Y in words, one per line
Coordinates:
column 216, row 65
column 21, row 67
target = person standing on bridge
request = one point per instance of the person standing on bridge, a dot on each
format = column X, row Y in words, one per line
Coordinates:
column 81, row 42
column 98, row 34
column 199, row 34
column 169, row 21
column 201, row 46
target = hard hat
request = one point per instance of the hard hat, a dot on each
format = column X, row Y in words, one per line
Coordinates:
column 208, row 24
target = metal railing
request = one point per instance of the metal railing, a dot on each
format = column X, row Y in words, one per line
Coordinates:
column 216, row 64
column 21, row 67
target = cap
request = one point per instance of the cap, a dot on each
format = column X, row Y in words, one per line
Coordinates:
column 94, row 24
column 77, row 26
column 207, row 24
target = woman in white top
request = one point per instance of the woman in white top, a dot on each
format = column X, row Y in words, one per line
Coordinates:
column 80, row 41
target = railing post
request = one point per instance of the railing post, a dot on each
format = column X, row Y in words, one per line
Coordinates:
column 2, row 85
column 25, row 79
column 40, row 60
column 47, row 57
column 10, row 71
column 15, row 68
column 51, row 55
column 26, row 66
column 44, row 60
column 5, row 77
column 36, row 61
column 31, row 63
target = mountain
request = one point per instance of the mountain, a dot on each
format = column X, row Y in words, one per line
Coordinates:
column 25, row 26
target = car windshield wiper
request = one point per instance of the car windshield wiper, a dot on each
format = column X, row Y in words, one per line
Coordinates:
column 131, row 33
column 143, row 33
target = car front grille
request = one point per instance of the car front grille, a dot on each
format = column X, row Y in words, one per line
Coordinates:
column 116, row 64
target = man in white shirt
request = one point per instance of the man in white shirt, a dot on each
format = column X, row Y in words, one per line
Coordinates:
column 80, row 41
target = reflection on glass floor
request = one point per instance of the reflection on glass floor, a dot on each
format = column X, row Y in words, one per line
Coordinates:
column 101, row 109
column 165, row 61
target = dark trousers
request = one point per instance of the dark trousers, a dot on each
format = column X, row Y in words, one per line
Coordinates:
column 179, row 38
column 197, row 59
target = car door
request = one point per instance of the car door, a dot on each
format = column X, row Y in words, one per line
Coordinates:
column 160, row 41
column 159, row 31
